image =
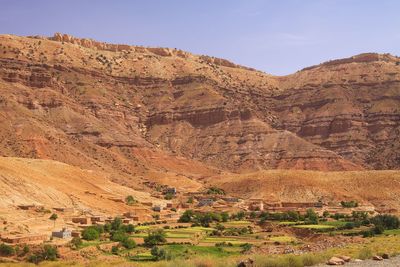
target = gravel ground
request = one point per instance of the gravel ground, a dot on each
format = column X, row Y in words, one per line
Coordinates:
column 392, row 262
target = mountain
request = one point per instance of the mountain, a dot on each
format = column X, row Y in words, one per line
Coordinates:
column 164, row 114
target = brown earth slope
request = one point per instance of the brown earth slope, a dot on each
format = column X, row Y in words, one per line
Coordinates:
column 154, row 112
column 54, row 184
column 378, row 188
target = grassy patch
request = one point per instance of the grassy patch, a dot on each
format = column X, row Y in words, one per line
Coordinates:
column 236, row 224
column 290, row 223
column 315, row 226
column 392, row 232
column 283, row 239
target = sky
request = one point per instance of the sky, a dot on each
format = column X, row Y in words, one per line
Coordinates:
column 279, row 37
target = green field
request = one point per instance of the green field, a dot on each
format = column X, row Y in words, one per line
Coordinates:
column 315, row 226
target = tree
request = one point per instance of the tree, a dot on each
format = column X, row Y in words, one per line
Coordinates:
column 90, row 233
column 186, row 216
column 386, row 221
column 54, row 217
column 116, row 224
column 190, row 200
column 240, row 215
column 119, row 236
column 123, row 238
column 205, row 219
column 293, row 216
column 311, row 216
column 225, row 216
column 155, row 237
column 129, row 228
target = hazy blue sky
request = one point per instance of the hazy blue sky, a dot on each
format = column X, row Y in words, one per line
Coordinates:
column 278, row 37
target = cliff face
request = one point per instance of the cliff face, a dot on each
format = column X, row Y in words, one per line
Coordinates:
column 154, row 111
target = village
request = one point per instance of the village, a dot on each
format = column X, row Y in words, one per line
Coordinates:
column 71, row 222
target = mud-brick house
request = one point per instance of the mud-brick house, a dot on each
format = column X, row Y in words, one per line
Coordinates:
column 230, row 199
column 170, row 190
column 64, row 233
column 24, row 238
column 206, row 202
column 81, row 220
column 97, row 219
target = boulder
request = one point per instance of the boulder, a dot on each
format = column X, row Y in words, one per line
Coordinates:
column 358, row 260
column 246, row 263
column 377, row 258
column 345, row 258
column 385, row 256
column 335, row 261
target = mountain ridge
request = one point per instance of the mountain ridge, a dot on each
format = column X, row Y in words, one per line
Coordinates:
column 213, row 114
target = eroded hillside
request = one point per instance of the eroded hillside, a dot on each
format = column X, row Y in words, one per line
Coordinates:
column 165, row 112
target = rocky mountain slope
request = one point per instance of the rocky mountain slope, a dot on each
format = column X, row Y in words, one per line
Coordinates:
column 54, row 184
column 156, row 113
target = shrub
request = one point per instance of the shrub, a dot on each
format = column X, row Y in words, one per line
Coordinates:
column 25, row 250
column 325, row 213
column 349, row 225
column 378, row 229
column 114, row 250
column 240, row 215
column 349, row 204
column 119, row 236
column 47, row 253
column 169, row 196
column 386, row 221
column 365, row 253
column 159, row 253
column 128, row 243
column 129, row 200
column 6, row 250
column 246, row 247
column 90, row 233
column 76, row 242
column 215, row 191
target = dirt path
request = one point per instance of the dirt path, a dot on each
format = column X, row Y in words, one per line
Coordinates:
column 392, row 262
